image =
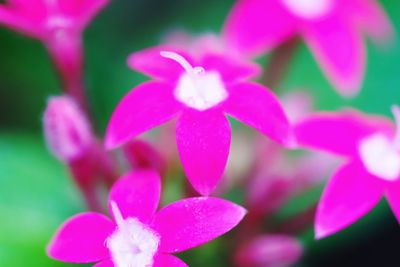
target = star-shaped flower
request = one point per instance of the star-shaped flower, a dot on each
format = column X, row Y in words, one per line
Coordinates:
column 48, row 19
column 331, row 28
column 371, row 147
column 198, row 91
column 138, row 235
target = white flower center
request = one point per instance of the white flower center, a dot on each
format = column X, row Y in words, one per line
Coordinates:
column 380, row 155
column 309, row 9
column 197, row 88
column 133, row 244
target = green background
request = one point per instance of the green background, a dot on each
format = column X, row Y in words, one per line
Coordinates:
column 35, row 192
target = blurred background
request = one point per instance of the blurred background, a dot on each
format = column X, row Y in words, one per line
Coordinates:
column 36, row 194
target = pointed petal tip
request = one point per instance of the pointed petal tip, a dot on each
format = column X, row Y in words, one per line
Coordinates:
column 321, row 233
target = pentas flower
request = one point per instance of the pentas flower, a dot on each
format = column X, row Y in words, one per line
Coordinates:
column 138, row 235
column 331, row 28
column 272, row 250
column 59, row 25
column 199, row 91
column 371, row 147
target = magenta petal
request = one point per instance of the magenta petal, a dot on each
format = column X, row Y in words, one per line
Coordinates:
column 372, row 19
column 341, row 132
column 350, row 194
column 258, row 25
column 340, row 51
column 165, row 260
column 137, row 194
column 259, row 108
column 106, row 263
column 393, row 197
column 231, row 69
column 146, row 106
column 85, row 10
column 18, row 22
column 191, row 222
column 82, row 239
column 203, row 139
column 151, row 63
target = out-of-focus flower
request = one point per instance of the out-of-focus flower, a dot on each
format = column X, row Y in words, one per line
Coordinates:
column 272, row 250
column 67, row 130
column 70, row 139
column 137, row 235
column 331, row 28
column 59, row 25
column 142, row 155
column 199, row 91
column 370, row 145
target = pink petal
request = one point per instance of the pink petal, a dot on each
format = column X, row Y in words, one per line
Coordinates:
column 16, row 20
column 165, row 260
column 393, row 197
column 146, row 106
column 84, row 10
column 192, row 222
column 373, row 19
column 231, row 69
column 151, row 63
column 106, row 263
column 259, row 108
column 82, row 239
column 137, row 194
column 350, row 194
column 203, row 139
column 259, row 25
column 341, row 132
column 340, row 51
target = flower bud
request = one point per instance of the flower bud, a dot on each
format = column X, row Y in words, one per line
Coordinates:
column 269, row 251
column 67, row 130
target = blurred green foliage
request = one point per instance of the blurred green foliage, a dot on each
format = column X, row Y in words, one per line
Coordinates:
column 36, row 194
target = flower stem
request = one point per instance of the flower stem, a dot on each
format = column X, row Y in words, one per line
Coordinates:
column 279, row 63
column 67, row 55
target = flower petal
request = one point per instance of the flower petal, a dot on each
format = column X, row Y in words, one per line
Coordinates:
column 393, row 197
column 18, row 21
column 203, row 139
column 340, row 132
column 137, row 194
column 82, row 239
column 257, row 107
column 230, row 68
column 150, row 62
column 106, row 263
column 350, row 194
column 165, row 260
column 373, row 19
column 146, row 106
column 339, row 50
column 192, row 222
column 84, row 10
column 258, row 25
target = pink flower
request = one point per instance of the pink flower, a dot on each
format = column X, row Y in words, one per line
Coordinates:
column 271, row 250
column 331, row 28
column 371, row 169
column 59, row 25
column 70, row 139
column 137, row 235
column 49, row 19
column 199, row 92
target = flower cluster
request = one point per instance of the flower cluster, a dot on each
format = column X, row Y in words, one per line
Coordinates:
column 196, row 85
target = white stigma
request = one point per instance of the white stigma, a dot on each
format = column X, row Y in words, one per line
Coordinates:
column 197, row 88
column 380, row 155
column 133, row 244
column 309, row 9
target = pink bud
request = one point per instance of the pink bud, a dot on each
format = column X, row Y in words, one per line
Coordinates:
column 141, row 154
column 67, row 130
column 269, row 251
